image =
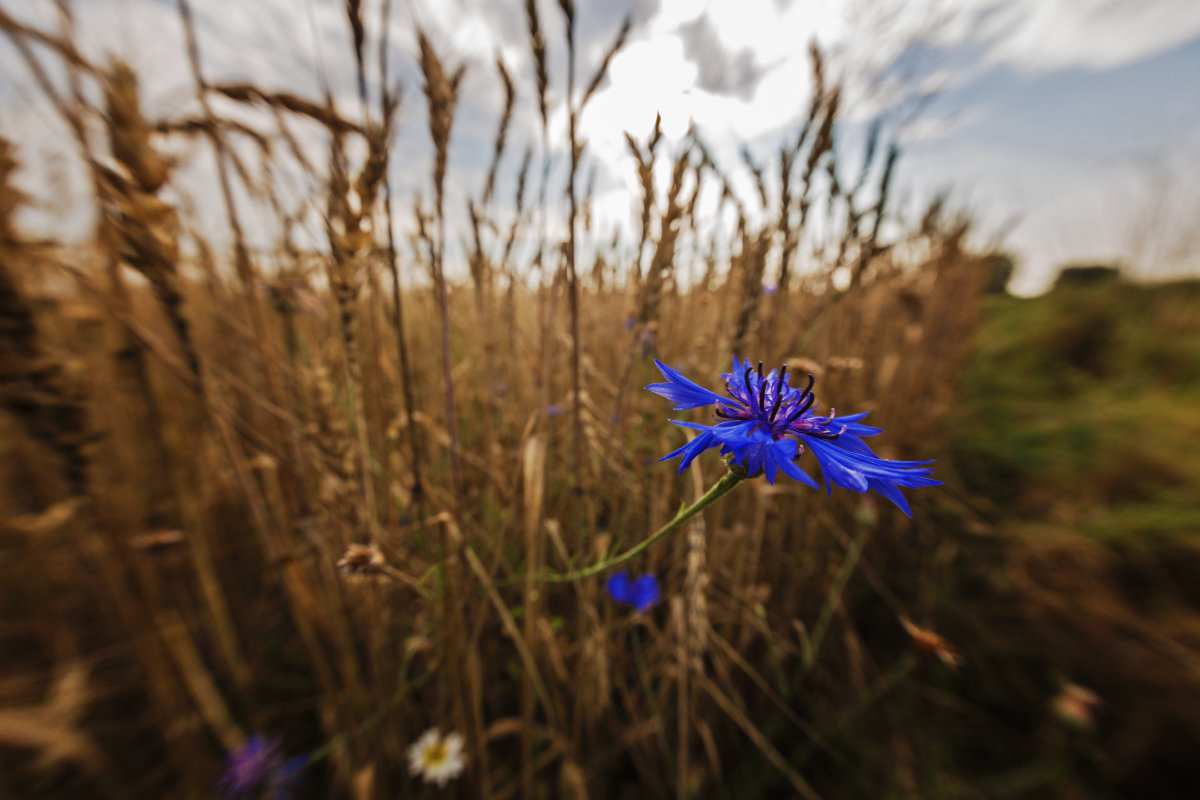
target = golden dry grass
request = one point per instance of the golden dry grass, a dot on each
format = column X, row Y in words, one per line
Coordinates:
column 312, row 508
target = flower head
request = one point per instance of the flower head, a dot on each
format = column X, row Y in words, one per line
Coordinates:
column 641, row 593
column 1076, row 706
column 765, row 424
column 437, row 759
column 257, row 770
column 361, row 561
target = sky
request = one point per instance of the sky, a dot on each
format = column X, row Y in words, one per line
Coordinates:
column 1069, row 129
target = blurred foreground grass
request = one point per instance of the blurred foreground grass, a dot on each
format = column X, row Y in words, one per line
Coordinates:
column 1075, row 436
column 1079, row 410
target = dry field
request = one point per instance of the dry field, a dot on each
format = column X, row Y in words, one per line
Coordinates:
column 326, row 495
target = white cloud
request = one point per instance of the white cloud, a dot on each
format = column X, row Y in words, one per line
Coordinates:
column 1039, row 36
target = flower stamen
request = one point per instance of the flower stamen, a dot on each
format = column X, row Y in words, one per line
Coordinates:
column 793, row 416
column 779, row 392
column 762, row 389
column 808, row 389
column 807, row 402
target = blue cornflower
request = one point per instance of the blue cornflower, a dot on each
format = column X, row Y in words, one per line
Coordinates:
column 257, row 770
column 765, row 425
column 641, row 593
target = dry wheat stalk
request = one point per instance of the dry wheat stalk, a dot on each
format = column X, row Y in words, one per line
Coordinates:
column 408, row 388
column 441, row 94
column 663, row 261
column 325, row 114
column 758, row 171
column 132, row 374
column 350, row 204
column 243, row 263
column 645, row 170
column 148, row 227
column 510, row 95
column 130, row 360
column 788, row 157
column 51, row 728
column 358, row 33
column 751, row 264
column 645, row 329
column 870, row 247
column 330, row 447
column 506, row 267
column 63, row 46
column 537, row 46
column 33, row 384
column 34, row 388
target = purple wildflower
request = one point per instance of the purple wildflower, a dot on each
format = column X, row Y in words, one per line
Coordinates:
column 258, row 770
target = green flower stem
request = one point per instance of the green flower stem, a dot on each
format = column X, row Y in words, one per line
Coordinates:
column 720, row 488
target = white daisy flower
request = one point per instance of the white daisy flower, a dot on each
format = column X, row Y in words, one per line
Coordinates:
column 437, row 759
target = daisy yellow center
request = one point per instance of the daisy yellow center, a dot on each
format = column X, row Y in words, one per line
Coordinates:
column 435, row 755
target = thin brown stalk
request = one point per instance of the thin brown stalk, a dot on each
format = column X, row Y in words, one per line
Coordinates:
column 354, row 15
column 325, row 114
column 242, row 261
column 506, row 267
column 510, row 94
column 606, row 60
column 148, row 227
column 646, row 326
column 645, row 170
column 758, row 171
column 407, row 378
column 351, row 201
column 869, row 247
column 751, row 264
column 580, row 468
column 441, row 93
column 537, row 46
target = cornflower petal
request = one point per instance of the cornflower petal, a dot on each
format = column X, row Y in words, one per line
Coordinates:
column 851, row 470
column 793, row 471
column 641, row 593
column 619, row 587
column 850, row 422
column 869, row 462
column 682, row 391
column 838, row 470
column 645, row 592
column 690, row 450
column 891, row 492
